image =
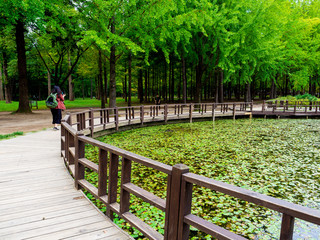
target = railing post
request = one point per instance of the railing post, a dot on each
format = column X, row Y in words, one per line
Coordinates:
column 141, row 114
column 79, row 153
column 69, row 121
column 234, row 111
column 165, row 113
column 79, row 122
column 108, row 115
column 129, row 111
column 125, row 178
column 190, row 112
column 83, row 119
column 91, row 121
column 287, row 226
column 102, row 173
column 185, row 209
column 173, row 204
column 213, row 112
column 112, row 183
column 101, row 117
column 251, row 106
column 63, row 135
column 263, row 105
column 116, row 118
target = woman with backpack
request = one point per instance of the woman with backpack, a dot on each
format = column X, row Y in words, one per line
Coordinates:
column 57, row 111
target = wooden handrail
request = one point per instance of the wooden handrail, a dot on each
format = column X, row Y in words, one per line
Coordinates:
column 177, row 205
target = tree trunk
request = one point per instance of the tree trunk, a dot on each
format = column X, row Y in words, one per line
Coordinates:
column 7, row 82
column 97, row 87
column 253, row 87
column 70, row 83
column 229, row 91
column 146, row 85
column 1, row 84
column 199, row 73
column 83, row 89
column 49, row 82
column 140, row 86
column 112, row 85
column 22, row 69
column 91, row 89
column 221, row 97
column 184, row 79
column 217, row 87
column 179, row 85
column 100, row 79
column 130, row 79
column 286, row 88
column 248, row 93
column 105, row 77
column 273, row 90
column 172, row 81
column 124, row 89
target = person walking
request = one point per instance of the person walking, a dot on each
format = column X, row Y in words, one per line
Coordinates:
column 57, row 111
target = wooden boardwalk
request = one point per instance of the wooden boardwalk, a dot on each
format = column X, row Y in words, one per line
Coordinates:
column 38, row 199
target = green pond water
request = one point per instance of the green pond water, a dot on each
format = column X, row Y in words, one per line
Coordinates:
column 279, row 158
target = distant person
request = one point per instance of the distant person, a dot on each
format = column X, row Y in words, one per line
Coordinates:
column 57, row 111
column 157, row 100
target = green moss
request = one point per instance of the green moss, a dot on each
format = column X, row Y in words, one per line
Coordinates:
column 11, row 135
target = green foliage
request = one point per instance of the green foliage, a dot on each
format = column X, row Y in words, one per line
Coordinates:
column 11, row 135
column 279, row 158
column 307, row 96
column 303, row 99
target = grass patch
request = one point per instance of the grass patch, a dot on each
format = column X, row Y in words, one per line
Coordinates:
column 11, row 135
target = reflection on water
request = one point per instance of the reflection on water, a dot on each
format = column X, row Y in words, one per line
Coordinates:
column 302, row 230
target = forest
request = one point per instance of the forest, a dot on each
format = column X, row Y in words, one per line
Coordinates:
column 181, row 50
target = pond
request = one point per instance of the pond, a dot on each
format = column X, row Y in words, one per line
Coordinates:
column 279, row 158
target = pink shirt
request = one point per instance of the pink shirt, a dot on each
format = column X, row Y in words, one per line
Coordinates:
column 60, row 100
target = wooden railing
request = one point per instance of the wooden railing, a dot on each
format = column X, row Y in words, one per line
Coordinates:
column 178, row 201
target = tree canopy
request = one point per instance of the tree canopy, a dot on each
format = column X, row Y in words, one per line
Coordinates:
column 191, row 50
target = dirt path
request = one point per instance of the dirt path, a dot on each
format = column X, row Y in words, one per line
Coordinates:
column 38, row 120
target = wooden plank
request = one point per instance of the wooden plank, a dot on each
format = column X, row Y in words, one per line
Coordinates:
column 146, row 196
column 59, row 206
column 29, row 173
column 148, row 231
column 40, row 216
column 72, row 150
column 88, row 186
column 78, row 223
column 115, row 207
column 23, row 183
column 87, row 163
column 31, row 190
column 50, row 222
column 210, row 228
column 89, row 231
column 39, row 196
